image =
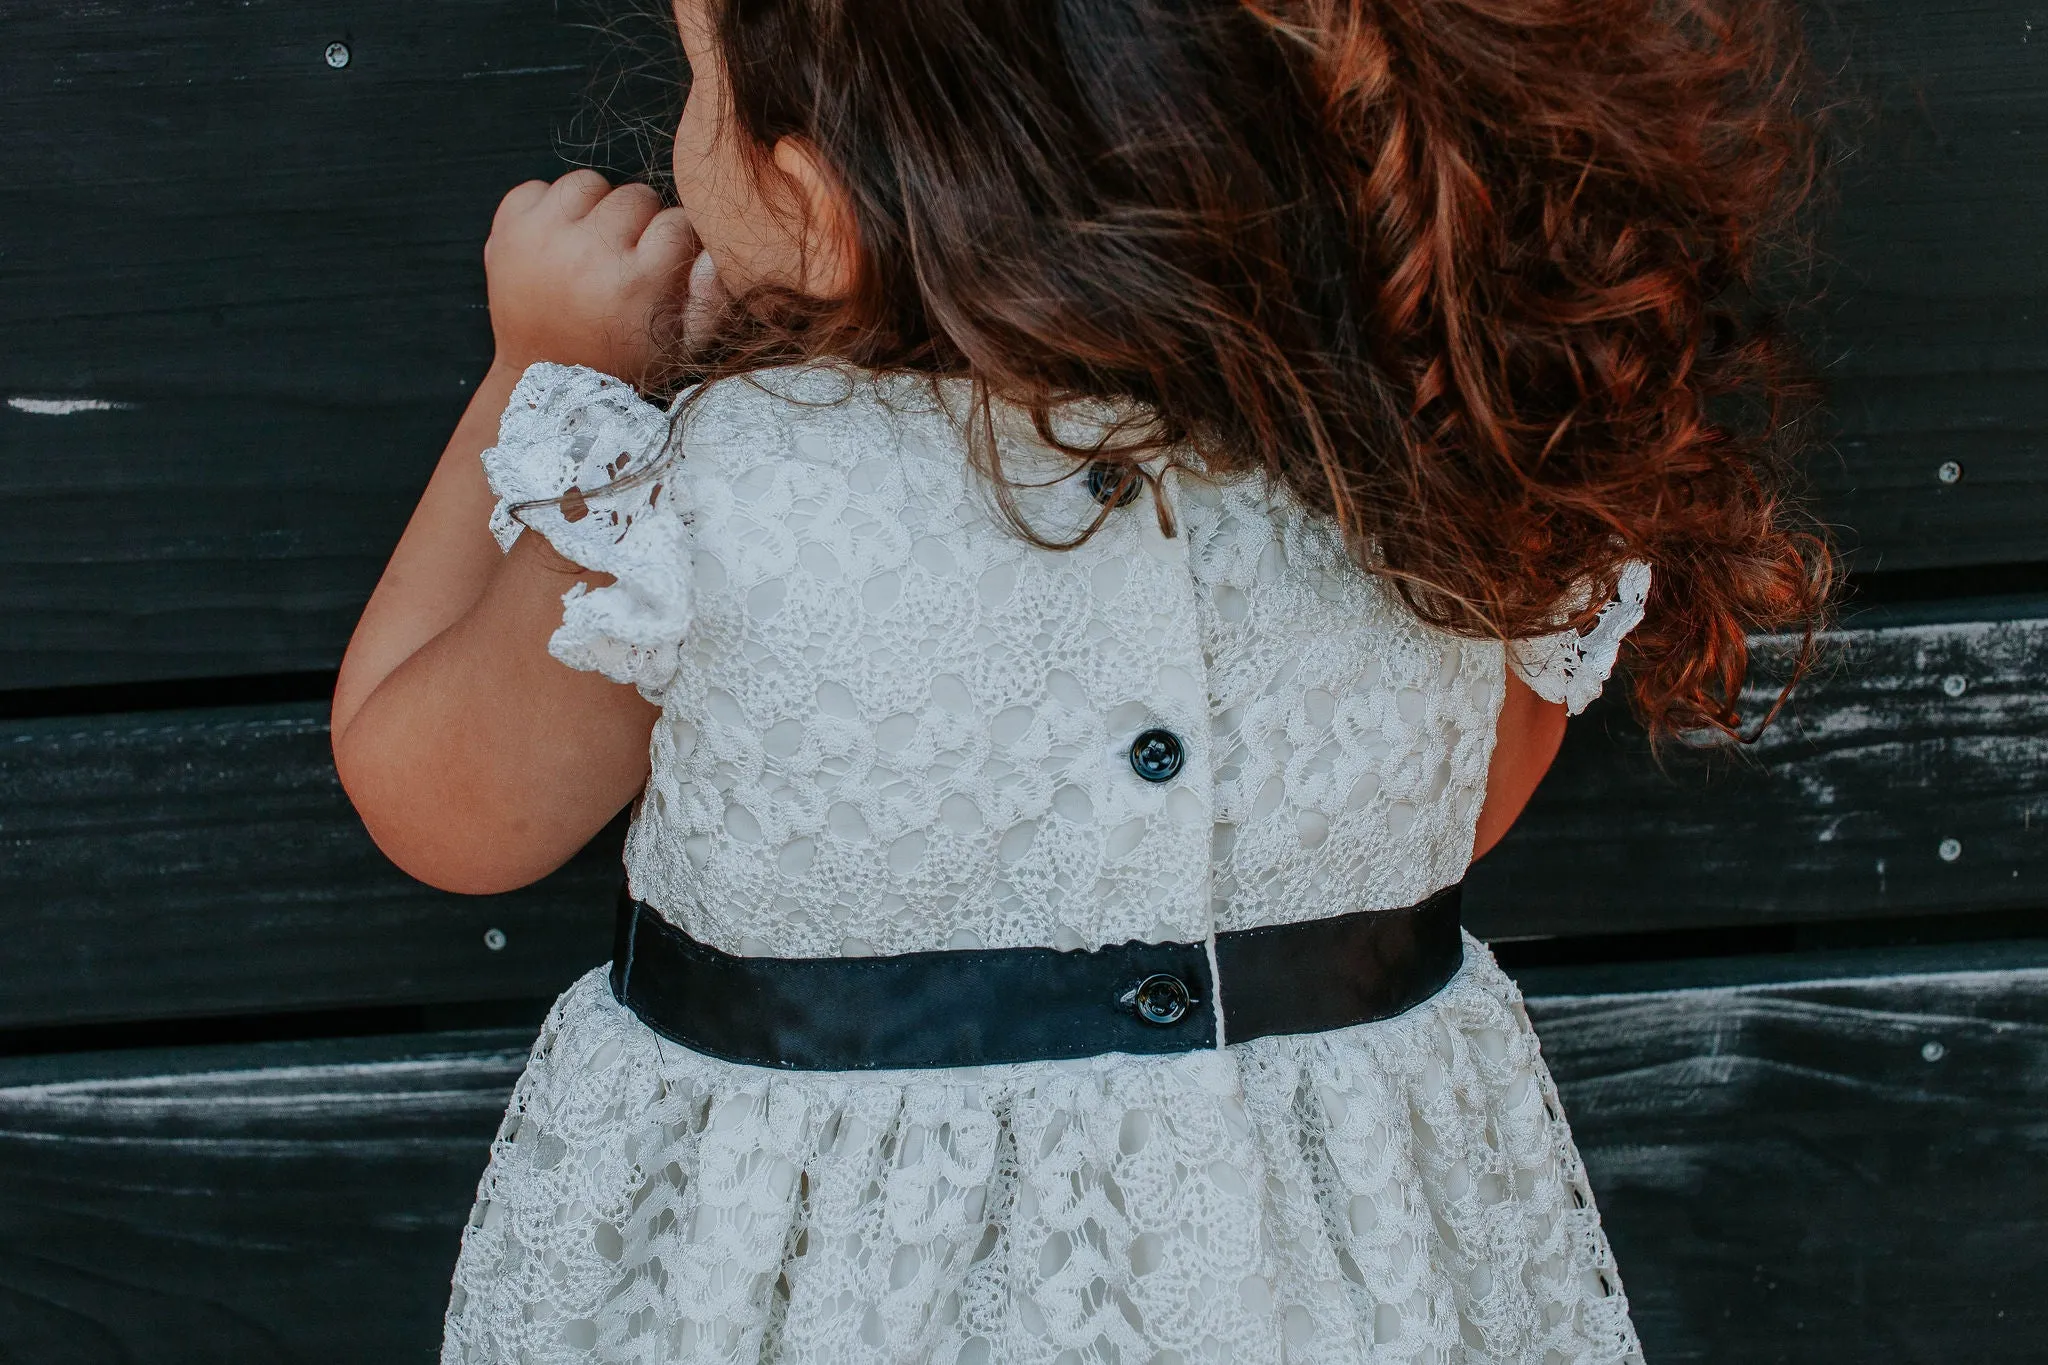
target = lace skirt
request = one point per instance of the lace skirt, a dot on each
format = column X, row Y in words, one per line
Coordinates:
column 1403, row 1191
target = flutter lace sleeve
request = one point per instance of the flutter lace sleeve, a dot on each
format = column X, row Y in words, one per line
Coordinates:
column 569, row 436
column 1572, row 667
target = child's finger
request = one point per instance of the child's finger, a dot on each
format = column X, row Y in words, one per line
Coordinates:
column 706, row 298
column 667, row 242
column 578, row 192
column 625, row 213
column 521, row 198
column 704, row 281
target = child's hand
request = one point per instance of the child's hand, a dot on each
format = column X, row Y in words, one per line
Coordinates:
column 584, row 274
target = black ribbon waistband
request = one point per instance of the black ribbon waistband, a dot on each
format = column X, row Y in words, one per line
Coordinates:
column 987, row 1006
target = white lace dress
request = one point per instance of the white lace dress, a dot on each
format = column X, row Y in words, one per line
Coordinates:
column 890, row 724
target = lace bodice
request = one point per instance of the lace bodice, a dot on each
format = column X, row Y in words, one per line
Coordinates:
column 891, row 724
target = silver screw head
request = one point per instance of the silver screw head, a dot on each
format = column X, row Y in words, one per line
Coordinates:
column 494, row 939
column 1949, row 471
column 1955, row 684
column 337, row 55
column 1932, row 1050
column 1950, row 850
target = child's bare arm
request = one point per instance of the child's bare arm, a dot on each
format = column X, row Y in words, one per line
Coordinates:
column 477, row 761
column 1526, row 740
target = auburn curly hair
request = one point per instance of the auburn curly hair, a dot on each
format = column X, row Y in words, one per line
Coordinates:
column 1486, row 282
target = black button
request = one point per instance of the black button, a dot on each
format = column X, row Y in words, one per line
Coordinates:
column 1161, row 999
column 1156, row 755
column 1103, row 478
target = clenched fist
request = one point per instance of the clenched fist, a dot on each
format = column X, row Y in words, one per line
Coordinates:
column 581, row 273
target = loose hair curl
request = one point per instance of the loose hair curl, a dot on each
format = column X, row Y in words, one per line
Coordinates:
column 1489, row 283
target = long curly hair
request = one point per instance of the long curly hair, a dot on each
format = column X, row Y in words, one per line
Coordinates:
column 1494, row 285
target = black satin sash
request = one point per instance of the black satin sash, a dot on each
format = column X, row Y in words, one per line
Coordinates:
column 985, row 1006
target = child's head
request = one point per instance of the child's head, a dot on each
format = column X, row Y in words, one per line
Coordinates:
column 1476, row 278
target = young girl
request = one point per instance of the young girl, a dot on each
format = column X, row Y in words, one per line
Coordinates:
column 1150, row 479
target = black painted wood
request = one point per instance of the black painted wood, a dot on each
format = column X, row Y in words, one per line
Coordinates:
column 1937, row 308
column 206, row 862
column 264, row 1204
column 260, row 275
column 1789, row 1173
column 1907, row 737
column 1851, row 1170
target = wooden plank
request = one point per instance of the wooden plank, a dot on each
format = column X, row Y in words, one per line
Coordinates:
column 1850, row 1170
column 1784, row 1172
column 1910, row 736
column 1936, row 321
column 268, row 268
column 266, row 273
column 259, row 1204
column 207, row 863
column 248, row 544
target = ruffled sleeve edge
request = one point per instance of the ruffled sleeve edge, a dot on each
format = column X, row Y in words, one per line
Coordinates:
column 1573, row 667
column 568, row 436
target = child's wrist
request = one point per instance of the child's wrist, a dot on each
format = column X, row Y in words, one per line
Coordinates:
column 515, row 364
column 507, row 368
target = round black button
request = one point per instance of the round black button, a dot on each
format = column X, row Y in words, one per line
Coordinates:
column 1103, row 478
column 1156, row 755
column 1161, row 999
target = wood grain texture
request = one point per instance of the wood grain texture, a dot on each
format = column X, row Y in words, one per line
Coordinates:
column 1851, row 1170
column 206, row 862
column 277, row 1204
column 265, row 273
column 1905, row 738
column 1785, row 1175
column 1936, row 317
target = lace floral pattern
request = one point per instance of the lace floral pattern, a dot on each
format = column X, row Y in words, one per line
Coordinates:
column 891, row 725
column 1352, row 744
column 1402, row 1192
column 571, row 430
column 1570, row 667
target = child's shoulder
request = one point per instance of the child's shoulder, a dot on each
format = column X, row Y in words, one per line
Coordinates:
column 828, row 416
column 820, row 426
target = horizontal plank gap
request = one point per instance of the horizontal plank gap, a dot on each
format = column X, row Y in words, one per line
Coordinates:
column 287, row 1026
column 1866, row 591
column 171, row 694
column 1777, row 941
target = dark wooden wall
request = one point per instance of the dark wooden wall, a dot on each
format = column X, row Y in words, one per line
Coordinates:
column 1797, row 998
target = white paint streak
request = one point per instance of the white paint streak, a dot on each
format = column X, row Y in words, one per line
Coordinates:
column 213, row 1087
column 64, row 407
column 520, row 71
column 1978, row 979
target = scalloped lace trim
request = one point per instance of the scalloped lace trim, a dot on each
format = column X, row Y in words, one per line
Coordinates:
column 567, row 436
column 1572, row 668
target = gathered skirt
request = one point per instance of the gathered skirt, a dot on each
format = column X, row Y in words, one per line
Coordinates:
column 1403, row 1191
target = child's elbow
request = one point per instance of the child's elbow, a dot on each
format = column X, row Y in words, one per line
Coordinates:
column 465, row 864
column 416, row 833
column 463, row 878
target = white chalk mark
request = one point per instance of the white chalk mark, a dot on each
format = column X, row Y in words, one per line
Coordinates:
column 64, row 407
column 522, row 71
